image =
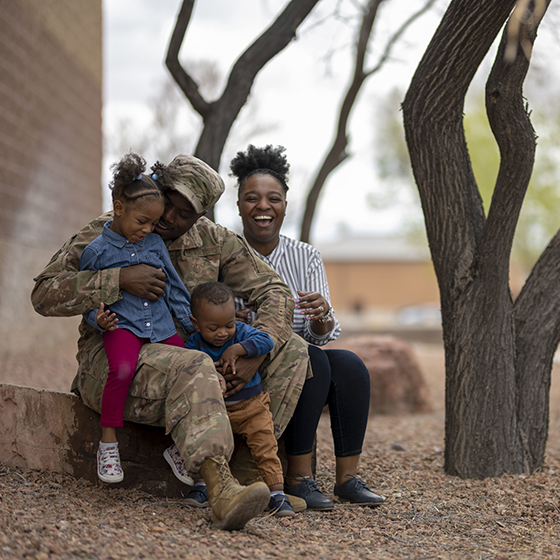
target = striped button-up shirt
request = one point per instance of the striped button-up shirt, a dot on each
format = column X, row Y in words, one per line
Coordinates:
column 301, row 267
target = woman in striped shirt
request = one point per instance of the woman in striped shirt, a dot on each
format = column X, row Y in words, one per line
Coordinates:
column 340, row 379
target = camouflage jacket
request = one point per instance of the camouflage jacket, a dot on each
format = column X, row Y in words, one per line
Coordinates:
column 207, row 252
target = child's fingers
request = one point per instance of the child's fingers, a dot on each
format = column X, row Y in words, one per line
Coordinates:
column 229, row 361
column 222, row 366
column 222, row 384
column 100, row 312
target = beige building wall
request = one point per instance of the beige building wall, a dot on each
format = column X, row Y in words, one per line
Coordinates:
column 381, row 285
column 50, row 149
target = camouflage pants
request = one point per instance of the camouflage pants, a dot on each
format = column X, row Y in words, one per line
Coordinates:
column 283, row 379
column 178, row 389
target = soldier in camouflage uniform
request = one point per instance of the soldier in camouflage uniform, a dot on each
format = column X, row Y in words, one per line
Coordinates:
column 172, row 387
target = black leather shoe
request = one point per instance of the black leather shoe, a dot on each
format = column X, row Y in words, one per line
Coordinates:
column 308, row 490
column 357, row 492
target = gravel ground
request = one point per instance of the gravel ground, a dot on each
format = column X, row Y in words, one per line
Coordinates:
column 427, row 514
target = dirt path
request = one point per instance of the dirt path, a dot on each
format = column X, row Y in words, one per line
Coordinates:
column 427, row 515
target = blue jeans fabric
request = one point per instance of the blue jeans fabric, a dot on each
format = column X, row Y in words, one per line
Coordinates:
column 341, row 381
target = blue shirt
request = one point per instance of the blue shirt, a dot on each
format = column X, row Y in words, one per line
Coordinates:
column 143, row 317
column 257, row 343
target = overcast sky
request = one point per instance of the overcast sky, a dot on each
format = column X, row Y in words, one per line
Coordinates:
column 299, row 91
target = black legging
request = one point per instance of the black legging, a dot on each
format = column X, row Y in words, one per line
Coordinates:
column 341, row 380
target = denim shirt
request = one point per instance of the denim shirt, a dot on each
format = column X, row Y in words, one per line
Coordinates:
column 143, row 317
column 257, row 343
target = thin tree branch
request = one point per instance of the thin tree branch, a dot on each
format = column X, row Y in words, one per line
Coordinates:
column 337, row 153
column 273, row 40
column 397, row 35
column 223, row 112
column 183, row 79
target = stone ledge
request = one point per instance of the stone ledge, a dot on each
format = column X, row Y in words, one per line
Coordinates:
column 41, row 429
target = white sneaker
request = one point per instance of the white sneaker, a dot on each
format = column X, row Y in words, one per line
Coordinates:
column 173, row 457
column 109, row 465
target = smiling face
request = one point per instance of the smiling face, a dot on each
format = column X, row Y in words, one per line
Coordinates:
column 134, row 220
column 216, row 323
column 262, row 206
column 178, row 216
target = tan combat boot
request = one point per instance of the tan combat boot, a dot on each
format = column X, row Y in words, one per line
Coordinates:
column 232, row 504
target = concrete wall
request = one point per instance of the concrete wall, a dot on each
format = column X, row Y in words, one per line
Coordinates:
column 50, row 149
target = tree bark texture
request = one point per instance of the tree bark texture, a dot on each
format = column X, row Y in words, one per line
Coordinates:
column 487, row 394
column 537, row 327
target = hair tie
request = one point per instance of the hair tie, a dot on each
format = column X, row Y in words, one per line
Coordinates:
column 155, row 177
column 138, row 178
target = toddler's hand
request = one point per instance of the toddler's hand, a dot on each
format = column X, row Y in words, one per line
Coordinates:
column 222, row 383
column 230, row 356
column 105, row 319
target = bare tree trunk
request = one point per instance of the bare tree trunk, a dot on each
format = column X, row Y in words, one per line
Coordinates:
column 537, row 327
column 220, row 115
column 534, row 347
column 484, row 427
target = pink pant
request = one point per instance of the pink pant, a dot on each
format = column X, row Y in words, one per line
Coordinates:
column 122, row 348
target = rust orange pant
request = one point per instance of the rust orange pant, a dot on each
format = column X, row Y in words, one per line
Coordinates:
column 252, row 420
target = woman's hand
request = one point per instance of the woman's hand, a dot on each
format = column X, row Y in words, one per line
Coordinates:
column 313, row 305
column 105, row 319
column 243, row 315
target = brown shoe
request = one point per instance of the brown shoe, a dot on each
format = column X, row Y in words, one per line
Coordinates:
column 298, row 504
column 232, row 504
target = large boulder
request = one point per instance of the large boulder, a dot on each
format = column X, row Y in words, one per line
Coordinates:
column 397, row 383
column 50, row 430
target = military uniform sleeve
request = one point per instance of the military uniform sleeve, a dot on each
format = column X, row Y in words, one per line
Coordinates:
column 62, row 290
column 260, row 286
column 91, row 319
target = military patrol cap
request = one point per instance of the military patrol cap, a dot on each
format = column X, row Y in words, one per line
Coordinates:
column 197, row 182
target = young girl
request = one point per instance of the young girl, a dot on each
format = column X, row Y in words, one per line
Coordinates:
column 132, row 321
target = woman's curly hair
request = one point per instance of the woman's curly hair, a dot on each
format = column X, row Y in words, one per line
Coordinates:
column 269, row 160
column 129, row 181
